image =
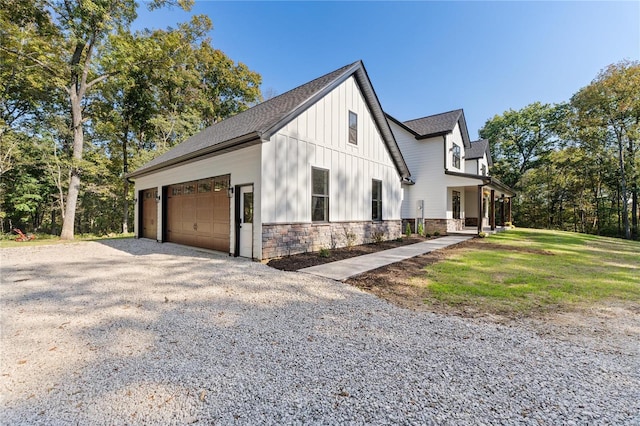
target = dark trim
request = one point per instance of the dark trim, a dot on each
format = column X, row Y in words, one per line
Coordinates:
column 444, row 153
column 236, row 208
column 139, row 226
column 487, row 180
column 164, row 205
column 401, row 124
column 480, row 210
column 433, row 135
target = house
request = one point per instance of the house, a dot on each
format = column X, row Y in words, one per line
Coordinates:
column 453, row 188
column 315, row 167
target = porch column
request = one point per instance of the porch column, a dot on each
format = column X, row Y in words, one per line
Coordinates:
column 502, row 210
column 492, row 210
column 509, row 211
column 480, row 212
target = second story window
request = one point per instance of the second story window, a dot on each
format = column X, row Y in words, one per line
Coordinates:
column 353, row 128
column 455, row 152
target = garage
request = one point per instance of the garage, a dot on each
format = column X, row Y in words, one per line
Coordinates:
column 198, row 213
column 149, row 213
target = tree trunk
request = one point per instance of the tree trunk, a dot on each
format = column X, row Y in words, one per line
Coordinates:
column 74, row 183
column 125, row 205
column 623, row 190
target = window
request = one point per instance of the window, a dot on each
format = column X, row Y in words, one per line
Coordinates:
column 484, row 170
column 456, row 204
column 247, row 203
column 353, row 128
column 376, row 199
column 319, row 195
column 456, row 156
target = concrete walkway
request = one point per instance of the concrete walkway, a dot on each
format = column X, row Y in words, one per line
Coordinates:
column 343, row 269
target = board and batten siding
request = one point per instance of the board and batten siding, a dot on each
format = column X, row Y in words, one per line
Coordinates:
column 244, row 167
column 319, row 138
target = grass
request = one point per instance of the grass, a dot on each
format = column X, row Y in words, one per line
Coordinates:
column 524, row 271
column 46, row 239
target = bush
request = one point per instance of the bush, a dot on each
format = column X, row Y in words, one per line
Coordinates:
column 324, row 252
column 482, row 234
column 436, row 234
column 349, row 237
column 378, row 236
column 420, row 229
column 407, row 231
column 427, row 235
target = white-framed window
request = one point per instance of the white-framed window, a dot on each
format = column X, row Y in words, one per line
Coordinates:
column 455, row 156
column 376, row 199
column 484, row 170
column 353, row 128
column 319, row 195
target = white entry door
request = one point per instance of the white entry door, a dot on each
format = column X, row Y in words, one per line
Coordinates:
column 246, row 221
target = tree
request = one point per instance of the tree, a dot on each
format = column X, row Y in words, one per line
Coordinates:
column 611, row 104
column 520, row 140
column 76, row 31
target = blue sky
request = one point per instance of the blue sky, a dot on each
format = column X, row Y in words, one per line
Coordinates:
column 426, row 57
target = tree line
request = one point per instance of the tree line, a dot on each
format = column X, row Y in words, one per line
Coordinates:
column 574, row 164
column 84, row 99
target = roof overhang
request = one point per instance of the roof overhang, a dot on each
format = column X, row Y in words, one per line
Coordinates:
column 485, row 180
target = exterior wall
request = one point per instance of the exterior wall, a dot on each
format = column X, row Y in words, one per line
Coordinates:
column 243, row 166
column 319, row 138
column 455, row 137
column 472, row 166
column 425, row 161
column 291, row 238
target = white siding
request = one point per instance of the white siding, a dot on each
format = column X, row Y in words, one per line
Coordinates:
column 243, row 166
column 319, row 138
column 455, row 137
column 425, row 159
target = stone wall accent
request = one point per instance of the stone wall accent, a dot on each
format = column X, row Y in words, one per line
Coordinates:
column 454, row 225
column 292, row 238
column 431, row 226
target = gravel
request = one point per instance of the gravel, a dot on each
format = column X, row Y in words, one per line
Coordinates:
column 135, row 332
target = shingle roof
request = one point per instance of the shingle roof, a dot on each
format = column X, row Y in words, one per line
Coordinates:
column 439, row 124
column 266, row 118
column 434, row 124
column 477, row 150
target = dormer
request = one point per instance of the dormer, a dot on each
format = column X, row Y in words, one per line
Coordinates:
column 478, row 158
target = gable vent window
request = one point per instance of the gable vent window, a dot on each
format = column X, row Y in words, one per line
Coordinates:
column 319, row 195
column 455, row 160
column 353, row 128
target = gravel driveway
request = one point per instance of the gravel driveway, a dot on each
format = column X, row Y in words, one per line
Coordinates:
column 135, row 332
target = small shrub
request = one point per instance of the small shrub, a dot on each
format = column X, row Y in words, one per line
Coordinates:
column 420, row 229
column 427, row 235
column 378, row 236
column 482, row 234
column 436, row 234
column 349, row 237
column 407, row 231
column 324, row 252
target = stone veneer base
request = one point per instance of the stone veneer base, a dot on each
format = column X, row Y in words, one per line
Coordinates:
column 286, row 239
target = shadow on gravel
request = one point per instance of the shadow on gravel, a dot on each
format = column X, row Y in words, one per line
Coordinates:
column 145, row 247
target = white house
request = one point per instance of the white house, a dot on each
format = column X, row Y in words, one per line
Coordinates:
column 453, row 187
column 315, row 167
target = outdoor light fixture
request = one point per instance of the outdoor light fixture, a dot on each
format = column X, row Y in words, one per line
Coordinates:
column 230, row 192
column 157, row 198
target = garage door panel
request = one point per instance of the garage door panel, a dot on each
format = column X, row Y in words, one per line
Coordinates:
column 199, row 213
column 149, row 213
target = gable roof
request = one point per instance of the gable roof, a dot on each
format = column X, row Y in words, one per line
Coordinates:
column 477, row 150
column 437, row 125
column 260, row 122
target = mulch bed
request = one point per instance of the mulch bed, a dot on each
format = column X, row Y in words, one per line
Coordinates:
column 305, row 260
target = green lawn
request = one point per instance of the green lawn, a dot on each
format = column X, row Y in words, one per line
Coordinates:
column 526, row 270
column 46, row 239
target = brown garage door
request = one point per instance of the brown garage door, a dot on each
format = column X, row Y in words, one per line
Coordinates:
column 198, row 213
column 149, row 214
